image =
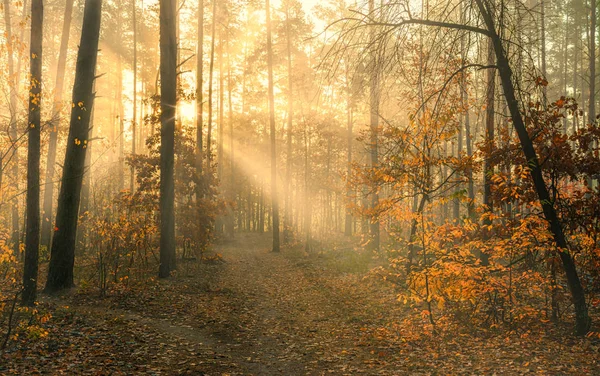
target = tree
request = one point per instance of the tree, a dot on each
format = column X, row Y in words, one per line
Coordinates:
column 374, row 97
column 168, row 103
column 274, row 198
column 54, row 126
column 62, row 255
column 487, row 13
column 134, row 109
column 582, row 319
column 287, row 226
column 199, row 84
column 211, row 70
column 14, row 82
column 32, row 240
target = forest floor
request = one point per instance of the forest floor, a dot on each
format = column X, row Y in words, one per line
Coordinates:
column 260, row 313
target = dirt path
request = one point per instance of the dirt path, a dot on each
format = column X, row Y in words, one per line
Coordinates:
column 258, row 313
column 261, row 313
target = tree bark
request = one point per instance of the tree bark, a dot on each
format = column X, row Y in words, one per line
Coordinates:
column 287, row 227
column 488, row 169
column 47, row 218
column 274, row 198
column 12, row 132
column 199, row 85
column 168, row 102
column 349, row 121
column 592, row 79
column 211, row 70
column 62, row 259
column 230, row 223
column 134, row 109
column 32, row 240
column 374, row 130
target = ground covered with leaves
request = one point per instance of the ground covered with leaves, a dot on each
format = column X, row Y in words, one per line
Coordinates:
column 260, row 313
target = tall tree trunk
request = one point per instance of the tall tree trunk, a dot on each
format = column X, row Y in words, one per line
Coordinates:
column 211, row 70
column 374, row 130
column 274, row 198
column 488, row 169
column 168, row 102
column 47, row 218
column 13, row 134
column 62, row 258
column 231, row 190
column 121, row 167
column 32, row 240
column 467, row 124
column 199, row 94
column 543, row 46
column 592, row 49
column 349, row 122
column 134, row 109
column 307, row 193
column 287, row 227
column 221, row 108
column 582, row 319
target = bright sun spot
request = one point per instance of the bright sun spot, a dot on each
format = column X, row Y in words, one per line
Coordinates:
column 187, row 110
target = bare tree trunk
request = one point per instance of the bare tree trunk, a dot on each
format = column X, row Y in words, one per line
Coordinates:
column 488, row 169
column 592, row 80
column 467, row 124
column 349, row 121
column 287, row 227
column 47, row 217
column 374, row 127
column 134, row 109
column 199, row 84
column 32, row 240
column 121, row 167
column 274, row 198
column 211, row 70
column 168, row 99
column 13, row 87
column 62, row 259
column 231, row 191
column 543, row 46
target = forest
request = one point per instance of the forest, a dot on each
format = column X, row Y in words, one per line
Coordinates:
column 289, row 187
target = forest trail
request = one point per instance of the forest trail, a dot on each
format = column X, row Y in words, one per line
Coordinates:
column 262, row 313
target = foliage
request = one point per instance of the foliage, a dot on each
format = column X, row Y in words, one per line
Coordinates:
column 522, row 284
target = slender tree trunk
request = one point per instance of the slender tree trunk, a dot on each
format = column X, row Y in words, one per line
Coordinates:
column 134, row 109
column 220, row 125
column 199, row 93
column 374, row 130
column 54, row 126
column 211, row 70
column 168, row 102
column 287, row 227
column 543, row 46
column 307, row 193
column 32, row 240
column 60, row 272
column 582, row 319
column 13, row 87
column 592, row 49
column 121, row 167
column 274, row 198
column 349, row 121
column 231, row 190
column 488, row 169
column 467, row 124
